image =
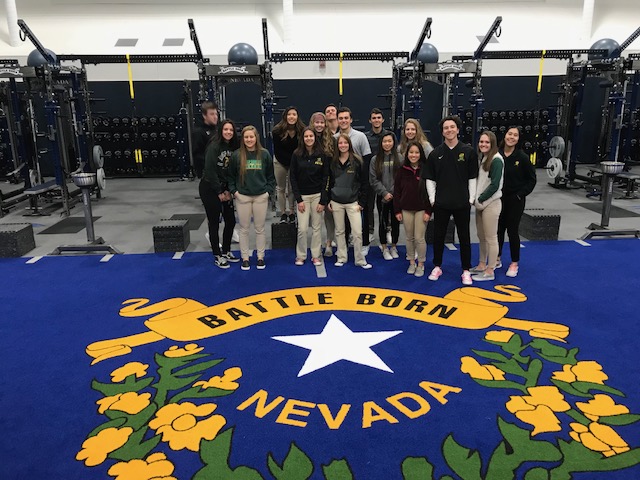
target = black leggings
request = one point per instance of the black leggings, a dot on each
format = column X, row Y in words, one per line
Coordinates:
column 386, row 218
column 214, row 207
column 512, row 210
column 461, row 217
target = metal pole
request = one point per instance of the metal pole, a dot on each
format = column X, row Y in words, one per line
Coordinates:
column 88, row 215
column 607, row 194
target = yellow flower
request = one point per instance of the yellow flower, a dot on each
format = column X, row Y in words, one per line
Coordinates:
column 155, row 467
column 95, row 449
column 502, row 336
column 480, row 372
column 129, row 402
column 588, row 371
column 601, row 406
column 179, row 426
column 132, row 368
column 538, row 408
column 189, row 349
column 226, row 382
column 599, row 438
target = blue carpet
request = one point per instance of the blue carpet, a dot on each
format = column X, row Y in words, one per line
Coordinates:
column 149, row 367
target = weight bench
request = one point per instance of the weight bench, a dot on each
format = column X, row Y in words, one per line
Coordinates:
column 630, row 192
column 36, row 191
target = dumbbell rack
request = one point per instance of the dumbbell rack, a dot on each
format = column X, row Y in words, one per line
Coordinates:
column 535, row 125
column 156, row 137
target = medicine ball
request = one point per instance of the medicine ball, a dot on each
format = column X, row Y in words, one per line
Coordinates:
column 35, row 58
column 242, row 54
column 607, row 44
column 428, row 53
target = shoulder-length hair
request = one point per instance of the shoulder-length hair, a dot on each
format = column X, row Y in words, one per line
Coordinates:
column 512, row 127
column 282, row 127
column 352, row 153
column 423, row 156
column 302, row 147
column 234, row 143
column 488, row 158
column 421, row 137
column 326, row 140
column 243, row 153
column 395, row 156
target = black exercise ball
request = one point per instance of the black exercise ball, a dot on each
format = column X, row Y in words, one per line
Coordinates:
column 242, row 54
column 428, row 53
column 607, row 44
column 35, row 58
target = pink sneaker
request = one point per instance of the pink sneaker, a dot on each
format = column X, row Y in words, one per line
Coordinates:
column 466, row 278
column 435, row 274
column 316, row 261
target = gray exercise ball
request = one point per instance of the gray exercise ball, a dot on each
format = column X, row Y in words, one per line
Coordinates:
column 607, row 44
column 242, row 54
column 35, row 58
column 428, row 53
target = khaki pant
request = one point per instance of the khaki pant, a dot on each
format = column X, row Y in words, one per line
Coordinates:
column 487, row 226
column 414, row 229
column 283, row 189
column 249, row 206
column 351, row 210
column 311, row 202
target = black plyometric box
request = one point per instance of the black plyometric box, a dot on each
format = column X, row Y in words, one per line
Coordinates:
column 171, row 236
column 451, row 228
column 284, row 235
column 16, row 239
column 539, row 227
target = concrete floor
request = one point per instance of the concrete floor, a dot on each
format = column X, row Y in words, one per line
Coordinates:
column 130, row 208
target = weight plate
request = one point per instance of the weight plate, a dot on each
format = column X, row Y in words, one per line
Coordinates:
column 554, row 167
column 100, row 178
column 556, row 147
column 98, row 156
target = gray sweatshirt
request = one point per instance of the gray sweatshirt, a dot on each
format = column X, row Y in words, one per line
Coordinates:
column 383, row 185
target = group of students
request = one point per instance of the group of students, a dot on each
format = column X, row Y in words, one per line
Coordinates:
column 328, row 172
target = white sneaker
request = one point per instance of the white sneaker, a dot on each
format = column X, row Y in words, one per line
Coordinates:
column 386, row 254
column 512, row 271
column 394, row 252
column 339, row 264
column 435, row 274
column 466, row 278
column 365, row 250
column 419, row 271
column 366, row 266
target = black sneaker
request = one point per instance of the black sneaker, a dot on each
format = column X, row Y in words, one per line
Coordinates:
column 230, row 257
column 284, row 218
column 260, row 265
column 221, row 262
column 245, row 265
column 292, row 218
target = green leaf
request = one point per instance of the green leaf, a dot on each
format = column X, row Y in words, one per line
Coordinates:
column 337, row 470
column 111, row 389
column 215, row 456
column 490, row 355
column 196, row 392
column 533, row 373
column 141, row 418
column 176, row 362
column 511, row 366
column 296, row 465
column 586, row 387
column 115, row 423
column 578, row 458
column 623, row 419
column 463, row 461
column 198, row 368
column 501, row 384
column 135, row 448
column 416, row 468
column 567, row 388
column 537, row 473
column 169, row 382
column 514, row 345
column 555, row 353
column 517, row 448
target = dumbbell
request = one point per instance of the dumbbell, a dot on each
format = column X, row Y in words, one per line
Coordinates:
column 153, row 136
column 468, row 130
column 127, row 153
column 144, row 136
column 117, row 153
column 145, row 153
column 544, row 145
column 126, row 136
column 485, row 116
column 106, row 136
column 115, row 121
column 545, row 128
column 97, row 121
column 116, row 137
column 545, row 114
column 527, row 146
column 108, row 154
column 502, row 115
column 171, row 120
column 153, row 121
column 494, row 129
column 520, row 115
column 125, row 121
column 105, row 122
column 163, row 136
column 536, row 128
column 494, row 115
column 511, row 114
column 154, row 153
column 173, row 152
column 163, row 153
column 527, row 128
column 502, row 129
column 162, row 120
column 144, row 121
column 172, row 135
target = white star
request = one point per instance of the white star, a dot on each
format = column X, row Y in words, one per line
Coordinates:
column 338, row 342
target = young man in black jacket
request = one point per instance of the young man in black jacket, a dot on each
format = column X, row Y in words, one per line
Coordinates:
column 450, row 174
column 202, row 134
